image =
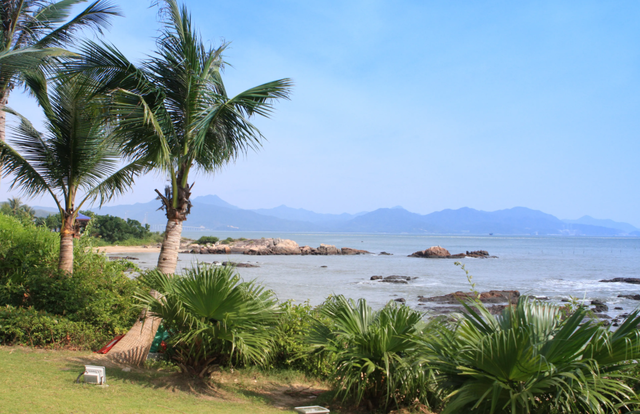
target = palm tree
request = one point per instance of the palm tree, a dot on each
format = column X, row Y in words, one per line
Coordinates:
column 372, row 351
column 173, row 110
column 72, row 160
column 533, row 359
column 33, row 30
column 215, row 318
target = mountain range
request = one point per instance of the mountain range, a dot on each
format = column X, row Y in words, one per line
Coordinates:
column 212, row 213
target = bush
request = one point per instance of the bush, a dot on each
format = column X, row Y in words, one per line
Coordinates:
column 98, row 294
column 373, row 352
column 26, row 326
column 214, row 318
column 207, row 240
column 291, row 349
column 114, row 229
column 532, row 358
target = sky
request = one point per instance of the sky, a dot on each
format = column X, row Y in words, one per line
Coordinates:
column 426, row 105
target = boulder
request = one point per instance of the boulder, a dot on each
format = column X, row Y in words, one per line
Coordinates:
column 400, row 300
column 435, row 252
column 219, row 249
column 386, row 254
column 376, row 278
column 632, row 297
column 234, row 264
column 599, row 306
column 493, row 296
column 348, row 251
column 305, row 250
column 632, row 280
column 327, row 249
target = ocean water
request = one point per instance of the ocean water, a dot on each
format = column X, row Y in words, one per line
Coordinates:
column 556, row 267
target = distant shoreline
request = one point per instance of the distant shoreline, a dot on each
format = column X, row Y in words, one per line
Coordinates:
column 125, row 249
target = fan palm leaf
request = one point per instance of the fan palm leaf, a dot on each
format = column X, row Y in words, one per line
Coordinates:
column 530, row 359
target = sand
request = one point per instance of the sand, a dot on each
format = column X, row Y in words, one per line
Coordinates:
column 126, row 249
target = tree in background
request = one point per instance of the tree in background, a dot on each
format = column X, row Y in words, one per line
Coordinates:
column 14, row 207
column 72, row 160
column 114, row 229
column 33, row 30
column 173, row 110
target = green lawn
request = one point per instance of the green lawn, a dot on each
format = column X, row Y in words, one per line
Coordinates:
column 38, row 381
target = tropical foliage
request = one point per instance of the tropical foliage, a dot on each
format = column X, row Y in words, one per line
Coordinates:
column 529, row 359
column 173, row 110
column 32, row 32
column 43, row 306
column 15, row 208
column 213, row 316
column 73, row 159
column 372, row 351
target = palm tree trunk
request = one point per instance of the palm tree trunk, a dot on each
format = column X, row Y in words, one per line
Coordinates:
column 3, row 115
column 134, row 348
column 168, row 259
column 66, row 246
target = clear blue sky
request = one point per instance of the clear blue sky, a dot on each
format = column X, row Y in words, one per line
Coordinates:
column 428, row 105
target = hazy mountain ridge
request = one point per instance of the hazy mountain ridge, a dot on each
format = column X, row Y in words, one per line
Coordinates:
column 213, row 213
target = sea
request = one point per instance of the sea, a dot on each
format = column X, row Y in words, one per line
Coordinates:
column 558, row 268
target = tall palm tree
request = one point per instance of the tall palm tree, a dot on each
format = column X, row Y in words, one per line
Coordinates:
column 33, row 30
column 174, row 111
column 71, row 161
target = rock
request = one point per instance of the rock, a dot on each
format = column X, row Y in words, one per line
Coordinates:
column 632, row 297
column 493, row 296
column 238, row 264
column 599, row 306
column 617, row 308
column 436, row 252
column 632, row 280
column 219, row 249
column 385, row 254
column 349, row 251
column 403, row 280
column 477, row 253
column 305, row 250
column 602, row 316
column 540, row 297
column 327, row 249
column 400, row 300
column 323, row 266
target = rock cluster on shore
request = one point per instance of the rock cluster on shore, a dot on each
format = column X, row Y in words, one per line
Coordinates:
column 492, row 296
column 262, row 247
column 437, row 252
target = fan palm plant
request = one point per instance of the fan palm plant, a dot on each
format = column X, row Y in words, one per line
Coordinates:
column 174, row 111
column 33, row 30
column 213, row 316
column 373, row 351
column 72, row 161
column 530, row 359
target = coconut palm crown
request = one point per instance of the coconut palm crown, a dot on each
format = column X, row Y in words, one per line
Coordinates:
column 32, row 31
column 72, row 161
column 173, row 110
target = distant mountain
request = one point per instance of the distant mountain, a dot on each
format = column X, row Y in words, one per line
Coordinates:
column 301, row 214
column 213, row 200
column 625, row 227
column 213, row 213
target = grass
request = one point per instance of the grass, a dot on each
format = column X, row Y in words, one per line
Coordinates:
column 36, row 381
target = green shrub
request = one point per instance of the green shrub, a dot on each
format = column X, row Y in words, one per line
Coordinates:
column 373, row 352
column 291, row 348
column 26, row 326
column 213, row 316
column 98, row 294
column 532, row 358
column 207, row 240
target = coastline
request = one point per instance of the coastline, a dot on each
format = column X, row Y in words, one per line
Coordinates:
column 125, row 249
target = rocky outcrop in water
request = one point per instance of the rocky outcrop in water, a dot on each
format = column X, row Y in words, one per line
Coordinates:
column 262, row 247
column 403, row 280
column 493, row 296
column 632, row 297
column 632, row 280
column 438, row 252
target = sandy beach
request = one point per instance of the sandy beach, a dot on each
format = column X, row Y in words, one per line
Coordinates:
column 126, row 249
